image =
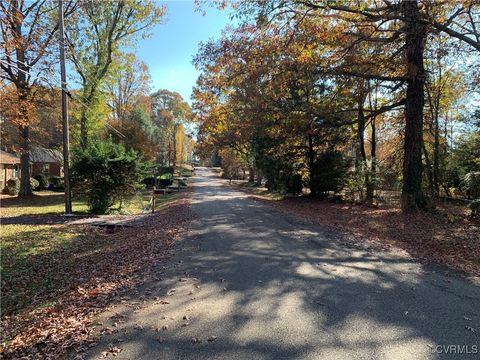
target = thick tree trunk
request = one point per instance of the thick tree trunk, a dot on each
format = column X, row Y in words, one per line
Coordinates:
column 258, row 176
column 175, row 144
column 23, row 89
column 412, row 194
column 87, row 101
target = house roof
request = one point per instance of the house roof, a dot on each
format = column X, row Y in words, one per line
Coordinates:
column 43, row 155
column 7, row 158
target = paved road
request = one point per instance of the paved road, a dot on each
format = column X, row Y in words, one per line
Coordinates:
column 269, row 287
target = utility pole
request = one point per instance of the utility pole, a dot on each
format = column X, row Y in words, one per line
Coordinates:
column 66, row 137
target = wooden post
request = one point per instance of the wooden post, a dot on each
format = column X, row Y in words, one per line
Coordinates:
column 154, row 196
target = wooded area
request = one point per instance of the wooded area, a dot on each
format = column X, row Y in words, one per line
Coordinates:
column 347, row 98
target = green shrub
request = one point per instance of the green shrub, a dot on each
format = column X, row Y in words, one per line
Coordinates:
column 475, row 208
column 471, row 184
column 330, row 173
column 12, row 187
column 34, row 183
column 293, row 184
column 355, row 183
column 163, row 183
column 56, row 183
column 166, row 176
column 56, row 180
column 42, row 182
column 106, row 174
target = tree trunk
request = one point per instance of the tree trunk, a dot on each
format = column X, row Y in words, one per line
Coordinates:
column 175, row 145
column 23, row 89
column 25, row 188
column 259, row 177
column 87, row 100
column 436, row 156
column 373, row 164
column 83, row 130
column 361, row 155
column 311, row 166
column 429, row 171
column 412, row 195
column 251, row 174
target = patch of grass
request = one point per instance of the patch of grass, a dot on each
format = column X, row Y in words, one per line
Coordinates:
column 32, row 263
column 41, row 203
column 259, row 191
column 186, row 173
column 141, row 202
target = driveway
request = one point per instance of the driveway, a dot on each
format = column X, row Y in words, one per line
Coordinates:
column 249, row 282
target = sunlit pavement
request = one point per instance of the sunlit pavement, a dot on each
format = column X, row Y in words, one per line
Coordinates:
column 250, row 283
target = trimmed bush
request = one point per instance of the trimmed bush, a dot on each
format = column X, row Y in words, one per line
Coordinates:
column 12, row 187
column 149, row 182
column 56, row 183
column 34, row 183
column 42, row 182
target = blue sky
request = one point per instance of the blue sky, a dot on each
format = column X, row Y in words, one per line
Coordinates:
column 170, row 49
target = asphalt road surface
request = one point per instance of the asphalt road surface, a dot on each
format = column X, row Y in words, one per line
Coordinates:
column 251, row 283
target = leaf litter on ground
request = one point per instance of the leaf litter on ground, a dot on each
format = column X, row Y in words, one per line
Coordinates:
column 105, row 266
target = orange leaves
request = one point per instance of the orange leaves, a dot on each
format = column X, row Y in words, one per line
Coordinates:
column 19, row 111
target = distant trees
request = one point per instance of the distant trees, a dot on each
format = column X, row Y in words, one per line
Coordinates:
column 170, row 113
column 96, row 34
column 128, row 85
column 302, row 78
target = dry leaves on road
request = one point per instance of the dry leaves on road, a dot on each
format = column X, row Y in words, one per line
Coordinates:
column 105, row 265
column 442, row 237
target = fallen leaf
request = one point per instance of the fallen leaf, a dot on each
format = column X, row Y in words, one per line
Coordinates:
column 469, row 328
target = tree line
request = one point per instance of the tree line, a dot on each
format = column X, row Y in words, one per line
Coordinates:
column 345, row 96
column 110, row 92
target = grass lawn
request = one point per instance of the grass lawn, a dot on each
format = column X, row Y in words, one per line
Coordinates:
column 38, row 260
column 42, row 203
column 259, row 191
column 35, row 258
column 55, row 276
column 141, row 202
column 35, row 263
column 52, row 203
